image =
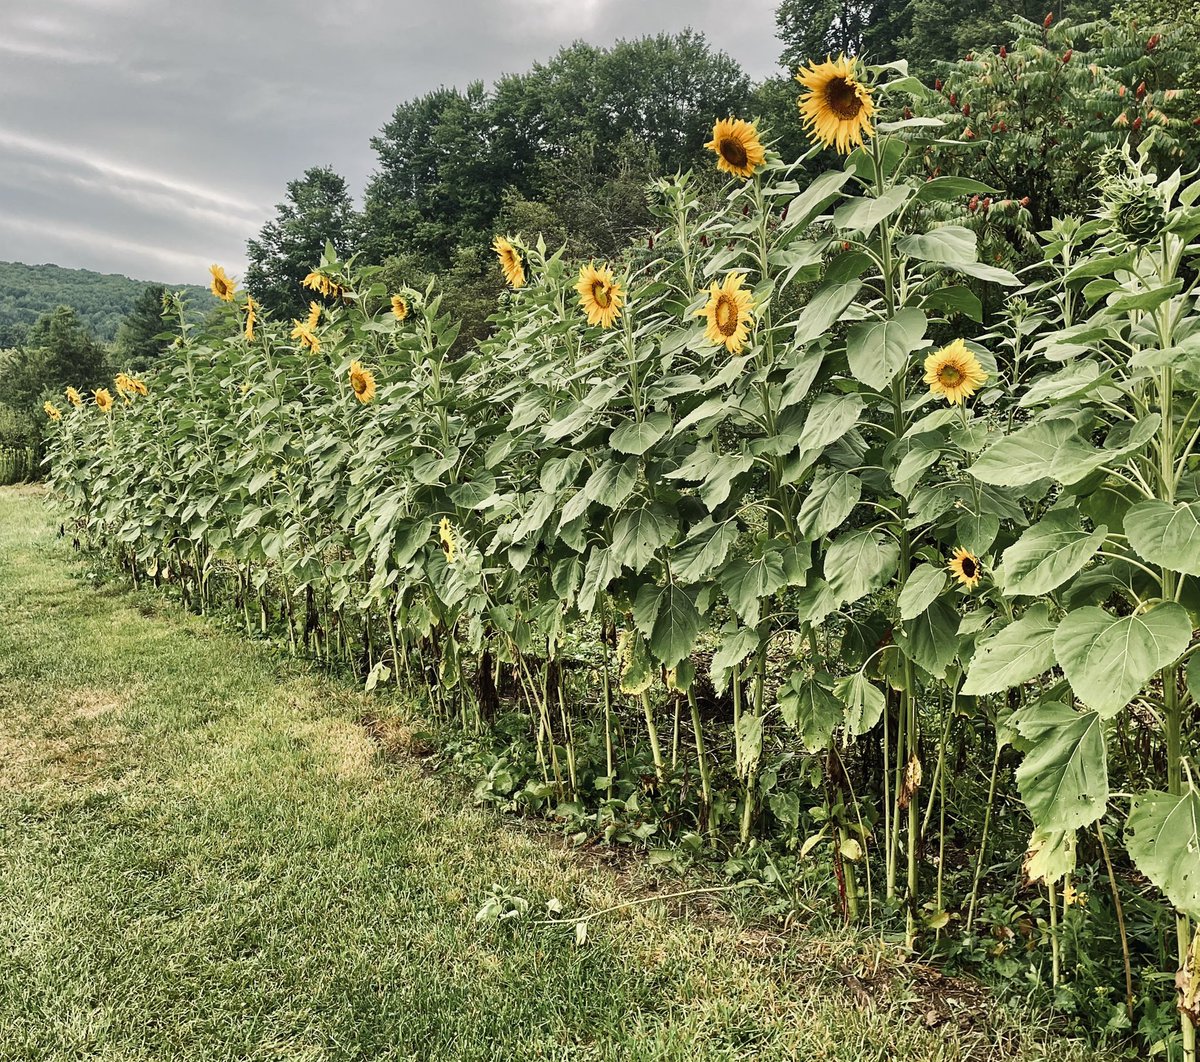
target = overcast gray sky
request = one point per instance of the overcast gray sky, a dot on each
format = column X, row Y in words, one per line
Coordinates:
column 152, row 137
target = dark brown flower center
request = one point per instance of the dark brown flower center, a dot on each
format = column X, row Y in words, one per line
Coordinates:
column 733, row 151
column 842, row 97
column 726, row 315
column 949, row 376
column 969, row 568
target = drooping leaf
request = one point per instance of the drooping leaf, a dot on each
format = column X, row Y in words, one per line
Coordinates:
column 931, row 639
column 703, row 551
column 734, row 648
column 675, row 626
column 859, row 562
column 637, row 675
column 1162, row 835
column 1108, row 659
column 864, row 702
column 920, row 590
column 811, row 708
column 1021, row 651
column 1051, row 856
column 829, row 418
column 1048, row 554
column 637, row 436
column 1064, row 776
column 828, row 501
column 825, row 309
column 640, row 532
column 747, row 582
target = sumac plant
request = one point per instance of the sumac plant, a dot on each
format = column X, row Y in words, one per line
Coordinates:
column 761, row 532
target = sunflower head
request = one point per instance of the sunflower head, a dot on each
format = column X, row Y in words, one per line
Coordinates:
column 737, row 146
column 124, row 384
column 251, row 317
column 954, row 373
column 52, row 411
column 222, row 287
column 399, row 307
column 510, row 261
column 308, row 338
column 600, row 296
column 104, row 400
column 837, row 107
column 448, row 539
column 74, row 397
column 314, row 315
column 728, row 313
column 362, row 382
column 965, row 567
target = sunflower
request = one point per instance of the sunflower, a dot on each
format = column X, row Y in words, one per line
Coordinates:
column 104, row 400
column 399, row 307
column 362, row 381
column 738, row 149
column 600, row 295
column 954, row 373
column 251, row 316
column 138, row 387
column 728, row 312
column 52, row 411
column 74, row 397
column 838, row 107
column 314, row 315
column 222, row 287
column 964, row 566
column 448, row 539
column 510, row 261
column 306, row 335
column 124, row 384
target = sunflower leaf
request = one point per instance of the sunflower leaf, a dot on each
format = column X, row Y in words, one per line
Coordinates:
column 878, row 351
column 1108, row 659
column 809, row 707
column 1064, row 776
column 1166, row 535
column 859, row 562
column 1014, row 655
column 1048, row 554
column 829, row 418
column 920, row 590
column 1163, row 838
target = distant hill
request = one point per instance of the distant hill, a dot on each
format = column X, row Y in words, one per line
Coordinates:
column 100, row 299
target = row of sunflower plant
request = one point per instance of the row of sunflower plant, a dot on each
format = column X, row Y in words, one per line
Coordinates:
column 748, row 506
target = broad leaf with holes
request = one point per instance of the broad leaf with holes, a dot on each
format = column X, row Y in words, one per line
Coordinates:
column 811, row 708
column 1163, row 838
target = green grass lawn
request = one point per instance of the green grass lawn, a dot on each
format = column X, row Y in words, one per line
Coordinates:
column 204, row 856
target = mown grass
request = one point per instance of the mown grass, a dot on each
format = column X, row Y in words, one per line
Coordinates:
column 204, row 856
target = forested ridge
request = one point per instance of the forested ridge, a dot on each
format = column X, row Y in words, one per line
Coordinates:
column 102, row 300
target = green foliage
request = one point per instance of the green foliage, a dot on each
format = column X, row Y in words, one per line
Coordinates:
column 318, row 210
column 101, row 300
column 138, row 344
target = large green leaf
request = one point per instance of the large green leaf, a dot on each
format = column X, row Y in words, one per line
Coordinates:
column 811, row 708
column 931, row 640
column 879, row 350
column 862, row 215
column 1048, row 554
column 1166, row 535
column 857, row 563
column 637, row 436
column 947, row 244
column 733, row 649
column 1163, row 838
column 747, row 582
column 675, row 626
column 639, row 533
column 825, row 309
column 1051, row 855
column 828, row 502
column 1016, row 654
column 1053, row 449
column 704, row 550
column 1108, row 659
column 920, row 590
column 829, row 418
column 864, row 702
column 1064, row 776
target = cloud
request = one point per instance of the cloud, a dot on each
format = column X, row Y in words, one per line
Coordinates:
column 155, row 138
